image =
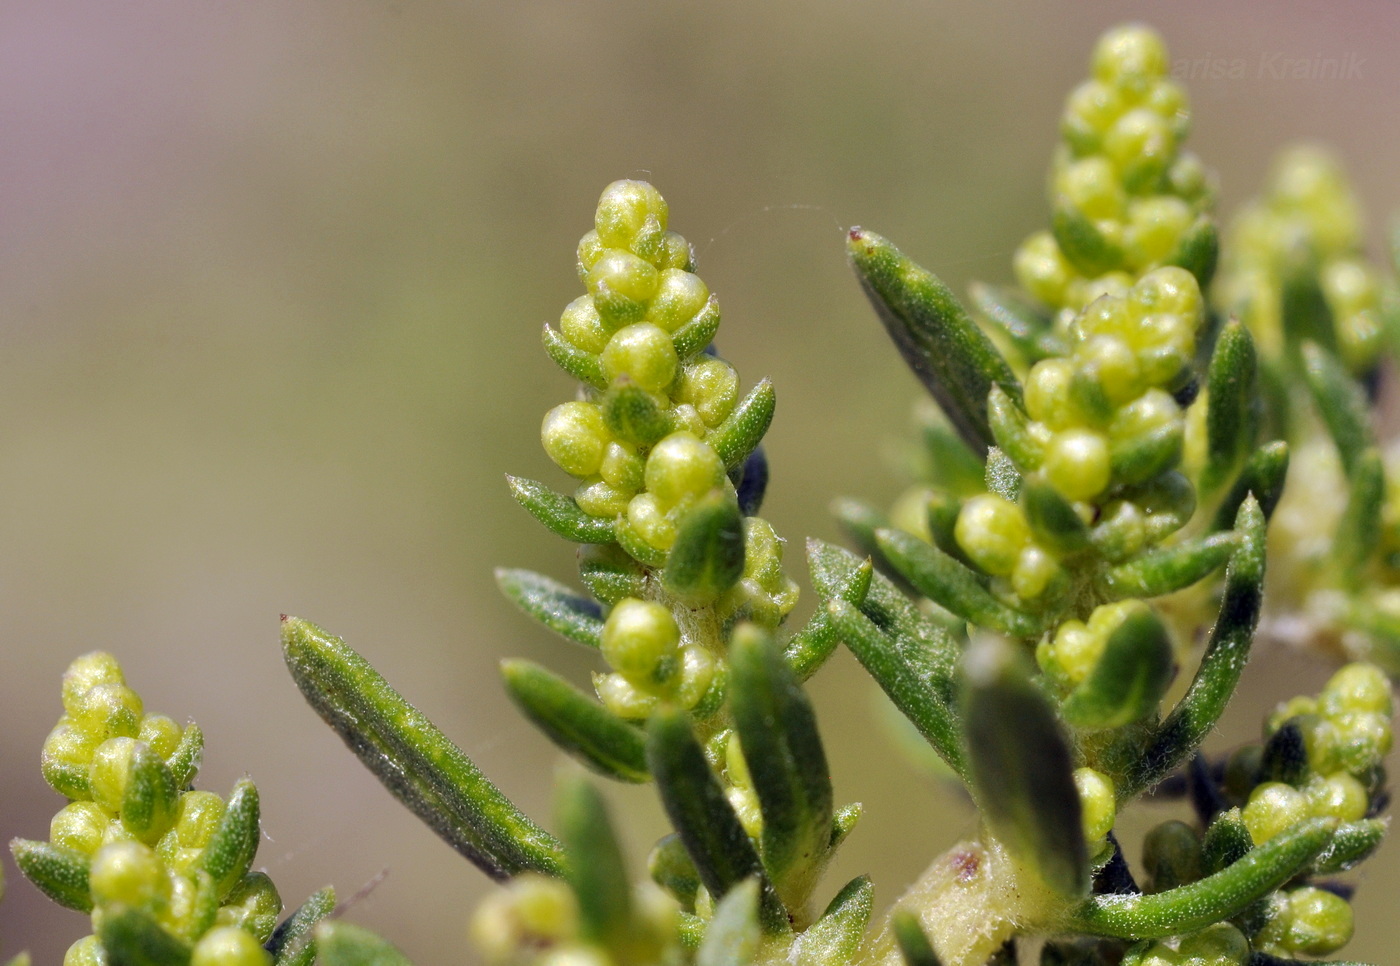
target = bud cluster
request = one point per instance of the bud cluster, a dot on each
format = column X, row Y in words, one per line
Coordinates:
column 143, row 837
column 642, row 643
column 1126, row 198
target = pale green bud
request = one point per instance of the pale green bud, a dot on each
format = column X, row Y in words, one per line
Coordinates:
column 1273, row 807
column 110, row 770
column 1320, row 922
column 1111, row 363
column 675, row 253
column 575, row 436
column 80, row 826
column 128, row 873
column 1042, row 269
column 229, row 946
column 1092, row 186
column 532, row 911
column 110, row 710
column 1090, row 111
column 66, row 754
column 623, row 210
column 161, row 733
column 620, row 697
column 1155, row 229
column 1219, row 945
column 643, row 353
column 1364, row 741
column 252, row 906
column 1141, row 144
column 583, row 326
column 992, row 531
column 696, row 674
column 621, row 285
column 1035, row 570
column 600, row 499
column 1048, row 393
column 641, row 641
column 622, row 468
column 87, row 951
column 747, row 809
column 712, row 387
column 1077, row 464
column 1169, row 290
column 1168, row 98
column 736, row 769
column 680, row 296
column 1149, row 413
column 1189, row 179
column 1357, row 687
column 87, row 672
column 651, row 521
column 1098, row 808
column 1084, row 292
column 1338, row 795
column 1130, row 57
column 682, row 466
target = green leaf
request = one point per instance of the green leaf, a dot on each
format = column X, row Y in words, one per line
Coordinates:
column 58, row 872
column 1226, row 841
column 1011, row 428
column 949, row 462
column 1225, row 656
column 1340, row 401
column 670, row 867
column 956, row 362
column 412, row 758
column 1082, row 243
column 293, row 943
column 635, row 415
column 1358, row 533
column 702, row 816
column 586, row 367
column 913, row 941
column 559, row 608
column 1143, row 457
column 1199, row 250
column 343, row 944
column 1029, row 327
column 635, row 546
column 1221, row 896
column 903, row 674
column 778, row 733
column 188, row 755
column 859, row 520
column 594, row 865
column 835, row 938
column 1021, row 767
column 1130, row 678
column 1230, row 403
column 1171, row 569
column 1306, row 315
column 232, row 847
column 843, row 823
column 739, row 435
column 152, row 797
column 1052, row 518
column 733, row 935
column 1002, row 477
column 949, row 584
column 559, row 513
column 132, row 937
column 610, row 573
column 1263, row 475
column 707, row 558
column 1354, row 842
column 577, row 723
column 699, row 332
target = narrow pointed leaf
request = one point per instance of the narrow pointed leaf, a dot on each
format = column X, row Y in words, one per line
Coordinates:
column 733, row 935
column 151, row 798
column 559, row 513
column 594, row 865
column 1223, row 895
column 1354, row 842
column 412, row 758
column 835, row 938
column 912, row 940
column 1144, row 457
column 739, row 435
column 1227, row 652
column 188, row 755
column 1002, row 476
column 956, row 362
column 610, row 574
column 670, row 867
column 950, row 463
column 949, row 584
column 1021, row 767
column 1226, row 841
column 752, row 484
column 1011, row 430
column 903, row 676
column 577, row 723
column 1174, row 568
column 586, row 367
column 1026, row 324
column 234, row 844
column 1359, row 531
column 57, row 872
column 345, row 944
column 132, row 937
column 699, row 332
column 1230, row 404
column 707, row 558
column 1341, row 402
column 559, row 608
column 1263, row 475
column 702, row 816
column 1130, row 678
column 778, row 733
column 1082, row 242
column 635, row 415
column 1052, row 518
column 293, row 943
column 1306, row 315
column 1199, row 250
column 844, row 822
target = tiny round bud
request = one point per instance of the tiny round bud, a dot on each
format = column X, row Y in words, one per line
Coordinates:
column 675, row 253
column 1171, row 854
column 1034, row 571
column 1171, row 291
column 252, row 906
column 622, row 468
column 590, row 249
column 641, row 641
column 600, row 499
column 109, row 771
column 128, row 873
column 1141, row 143
column 1155, row 229
column 1339, row 796
column 1357, row 687
column 1273, row 808
column 1168, row 98
column 643, row 353
column 992, row 531
column 623, row 210
column 1321, row 922
column 682, row 466
column 197, row 818
column 68, row 749
column 680, row 296
column 1048, row 396
column 1077, row 464
column 1090, row 111
column 622, row 699
column 1219, row 945
column 621, row 285
column 1097, row 804
column 1188, row 177
column 1286, row 711
column 87, row 951
column 696, row 674
column 228, row 946
column 1091, row 185
column 712, row 387
column 161, row 733
column 650, row 520
column 111, row 710
column 582, row 326
column 1042, row 269
column 1110, row 362
column 1130, row 57
column 575, row 436
column 1365, row 739
column 86, row 672
column 79, row 826
column 1154, row 410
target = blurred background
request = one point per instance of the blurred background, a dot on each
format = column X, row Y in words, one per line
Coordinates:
column 271, row 282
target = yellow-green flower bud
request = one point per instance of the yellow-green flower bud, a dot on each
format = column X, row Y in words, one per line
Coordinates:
column 1077, row 463
column 1171, row 291
column 992, row 532
column 712, row 387
column 1357, row 687
column 675, row 253
column 87, row 951
column 1155, row 228
column 1034, row 572
column 1110, row 362
column 1130, row 57
column 80, row 826
column 622, row 468
column 1048, row 393
column 128, row 873
column 1321, row 922
column 1098, row 809
column 1154, row 410
column 1219, row 945
column 598, row 498
column 679, row 297
column 643, row 353
column 228, row 946
column 620, row 697
column 533, row 911
column 682, row 467
column 590, row 249
column 623, row 211
column 88, row 672
column 1339, row 796
column 651, row 521
column 1274, row 807
column 641, row 641
column 1042, row 268
column 110, row 770
column 1092, row 186
column 161, row 733
column 583, row 326
column 1365, row 739
column 696, row 674
column 621, row 285
column 1141, row 144
column 252, row 906
column 65, row 757
column 575, row 436
column 1090, row 111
